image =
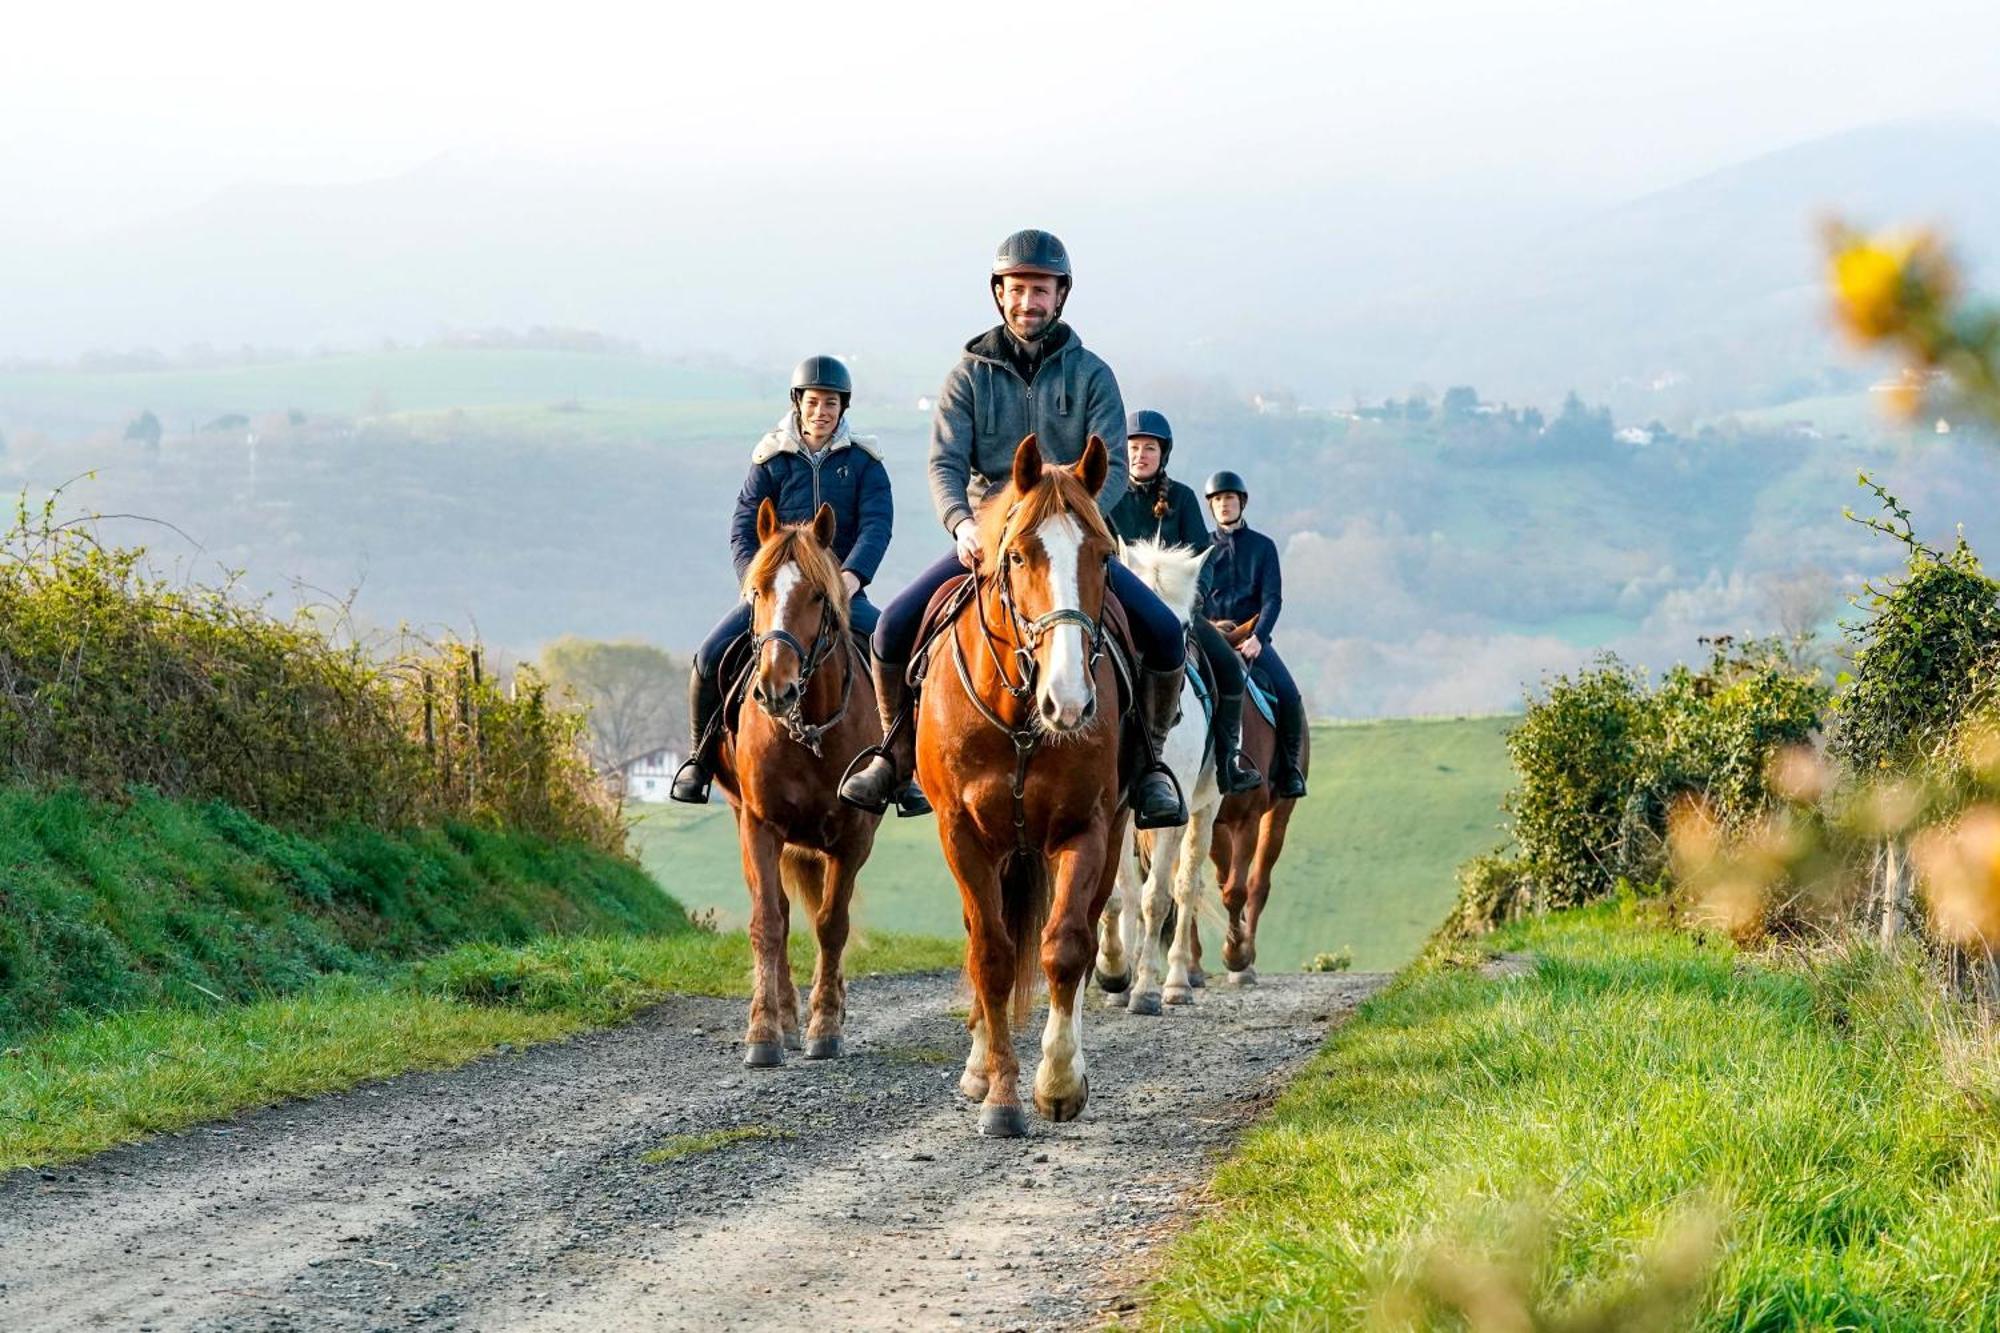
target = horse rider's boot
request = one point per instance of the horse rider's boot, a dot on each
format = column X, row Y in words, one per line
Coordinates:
column 1156, row 797
column 691, row 781
column 885, row 777
column 1233, row 770
column 1288, row 781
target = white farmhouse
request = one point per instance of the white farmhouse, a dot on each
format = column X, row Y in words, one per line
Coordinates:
column 648, row 777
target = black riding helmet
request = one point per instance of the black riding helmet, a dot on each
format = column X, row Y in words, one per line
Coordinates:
column 1153, row 425
column 1033, row 251
column 1221, row 483
column 823, row 372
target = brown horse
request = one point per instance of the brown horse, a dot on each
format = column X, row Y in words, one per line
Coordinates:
column 1250, row 836
column 1019, row 747
column 815, row 707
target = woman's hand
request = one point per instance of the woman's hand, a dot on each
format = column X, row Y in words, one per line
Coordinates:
column 853, row 582
column 1250, row 647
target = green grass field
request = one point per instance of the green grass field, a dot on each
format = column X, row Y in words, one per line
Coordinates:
column 1642, row 1131
column 1395, row 807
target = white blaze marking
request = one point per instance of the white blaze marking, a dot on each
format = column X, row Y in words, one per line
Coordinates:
column 784, row 583
column 1066, row 679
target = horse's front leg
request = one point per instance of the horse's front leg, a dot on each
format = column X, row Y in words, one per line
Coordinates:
column 1155, row 897
column 763, row 1040
column 788, row 987
column 1113, row 931
column 1085, row 872
column 992, row 1070
column 829, row 992
column 1179, row 988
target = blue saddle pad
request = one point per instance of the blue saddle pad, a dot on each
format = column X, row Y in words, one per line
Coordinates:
column 1260, row 693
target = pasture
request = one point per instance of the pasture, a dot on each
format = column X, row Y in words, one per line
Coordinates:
column 1395, row 807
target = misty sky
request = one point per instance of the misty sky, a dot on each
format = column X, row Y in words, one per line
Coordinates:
column 113, row 113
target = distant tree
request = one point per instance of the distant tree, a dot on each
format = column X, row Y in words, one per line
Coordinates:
column 1416, row 409
column 1580, row 428
column 1530, row 419
column 636, row 694
column 1460, row 403
column 145, row 428
column 1801, row 602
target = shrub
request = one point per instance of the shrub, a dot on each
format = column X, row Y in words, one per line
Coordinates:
column 111, row 677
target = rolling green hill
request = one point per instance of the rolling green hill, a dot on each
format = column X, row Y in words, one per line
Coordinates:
column 1395, row 807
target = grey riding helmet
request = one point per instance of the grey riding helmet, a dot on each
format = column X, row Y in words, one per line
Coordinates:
column 1154, row 426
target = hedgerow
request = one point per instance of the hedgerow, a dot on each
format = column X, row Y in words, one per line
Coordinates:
column 113, row 677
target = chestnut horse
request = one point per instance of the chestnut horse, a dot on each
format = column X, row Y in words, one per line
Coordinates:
column 1250, row 836
column 1018, row 746
column 815, row 708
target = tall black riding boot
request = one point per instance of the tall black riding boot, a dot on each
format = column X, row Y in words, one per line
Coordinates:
column 1156, row 797
column 1288, row 782
column 704, row 701
column 887, row 776
column 1233, row 770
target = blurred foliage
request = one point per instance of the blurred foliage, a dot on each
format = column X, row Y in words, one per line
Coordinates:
column 1902, row 291
column 112, row 677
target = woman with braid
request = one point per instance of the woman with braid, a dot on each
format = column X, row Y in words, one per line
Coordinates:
column 1157, row 508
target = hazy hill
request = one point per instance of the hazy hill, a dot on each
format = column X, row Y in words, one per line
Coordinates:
column 1707, row 287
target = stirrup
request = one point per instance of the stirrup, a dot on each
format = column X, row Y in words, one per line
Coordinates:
column 911, row 803
column 1180, row 816
column 691, row 783
column 1238, row 775
column 853, row 773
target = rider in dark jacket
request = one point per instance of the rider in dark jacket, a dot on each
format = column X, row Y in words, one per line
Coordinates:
column 1030, row 375
column 1240, row 580
column 808, row 459
column 1157, row 508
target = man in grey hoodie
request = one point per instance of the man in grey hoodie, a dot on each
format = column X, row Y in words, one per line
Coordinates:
column 1030, row 375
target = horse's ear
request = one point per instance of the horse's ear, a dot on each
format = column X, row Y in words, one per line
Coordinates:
column 823, row 526
column 1095, row 464
column 767, row 520
column 1027, row 466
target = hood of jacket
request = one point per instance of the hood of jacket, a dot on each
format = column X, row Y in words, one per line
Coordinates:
column 784, row 438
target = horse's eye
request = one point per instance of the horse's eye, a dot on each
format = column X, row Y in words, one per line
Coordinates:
column 1013, row 557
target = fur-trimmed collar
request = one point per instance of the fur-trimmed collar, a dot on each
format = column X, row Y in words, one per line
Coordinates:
column 784, row 438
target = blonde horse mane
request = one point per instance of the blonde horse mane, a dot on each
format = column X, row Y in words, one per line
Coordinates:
column 795, row 544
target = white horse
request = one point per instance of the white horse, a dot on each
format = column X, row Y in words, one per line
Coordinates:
column 1168, row 867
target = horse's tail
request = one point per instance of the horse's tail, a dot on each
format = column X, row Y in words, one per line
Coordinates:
column 1024, row 909
column 802, row 871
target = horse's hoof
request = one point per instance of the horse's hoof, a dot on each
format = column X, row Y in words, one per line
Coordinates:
column 974, row 1086
column 823, row 1048
column 1114, row 985
column 1060, row 1109
column 1178, row 995
column 1197, row 978
column 793, row 1042
column 1002, row 1122
column 1247, row 977
column 1147, row 1004
column 763, row 1054
column 1117, row 1000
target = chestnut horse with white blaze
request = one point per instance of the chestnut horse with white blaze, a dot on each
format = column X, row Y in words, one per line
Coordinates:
column 814, row 708
column 1018, row 746
column 1250, row 835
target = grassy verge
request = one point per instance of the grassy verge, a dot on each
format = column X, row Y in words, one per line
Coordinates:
column 115, row 905
column 88, row 1085
column 1524, row 1145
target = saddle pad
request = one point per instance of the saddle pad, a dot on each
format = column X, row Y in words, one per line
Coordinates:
column 1261, row 695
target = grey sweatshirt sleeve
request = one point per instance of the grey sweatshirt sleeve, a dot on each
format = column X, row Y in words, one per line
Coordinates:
column 1104, row 409
column 951, row 448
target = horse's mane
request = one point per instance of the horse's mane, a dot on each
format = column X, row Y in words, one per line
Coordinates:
column 1005, row 514
column 794, row 543
column 1174, row 572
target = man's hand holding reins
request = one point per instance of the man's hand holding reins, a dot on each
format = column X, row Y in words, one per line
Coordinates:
column 966, row 534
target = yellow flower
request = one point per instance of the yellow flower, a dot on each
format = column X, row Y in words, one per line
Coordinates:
column 1869, row 282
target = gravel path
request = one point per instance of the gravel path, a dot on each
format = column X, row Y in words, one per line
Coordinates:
column 513, row 1193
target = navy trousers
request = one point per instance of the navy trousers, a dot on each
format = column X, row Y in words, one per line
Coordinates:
column 1156, row 630
column 708, row 657
column 1271, row 669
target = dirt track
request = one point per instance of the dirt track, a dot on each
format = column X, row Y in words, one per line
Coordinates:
column 513, row 1194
